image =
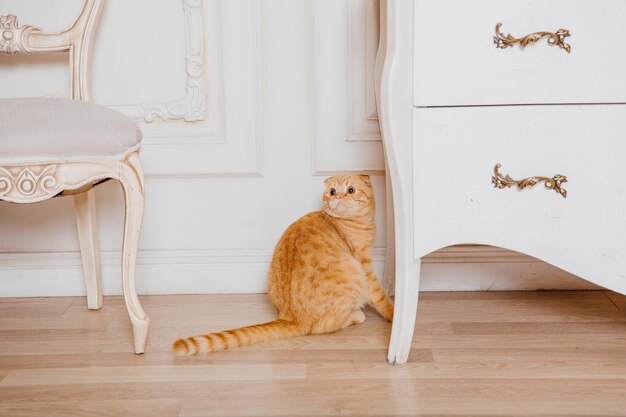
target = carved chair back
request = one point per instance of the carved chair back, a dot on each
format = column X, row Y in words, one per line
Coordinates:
column 76, row 39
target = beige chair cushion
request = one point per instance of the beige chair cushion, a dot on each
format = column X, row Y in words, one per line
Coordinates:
column 49, row 129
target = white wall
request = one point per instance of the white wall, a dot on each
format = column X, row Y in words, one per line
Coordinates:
column 277, row 95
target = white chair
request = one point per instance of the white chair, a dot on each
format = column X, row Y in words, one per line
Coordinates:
column 51, row 147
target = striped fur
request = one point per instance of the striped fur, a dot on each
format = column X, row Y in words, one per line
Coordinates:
column 321, row 273
column 244, row 336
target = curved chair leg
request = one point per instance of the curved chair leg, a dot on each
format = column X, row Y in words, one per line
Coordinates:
column 85, row 205
column 131, row 178
column 405, row 309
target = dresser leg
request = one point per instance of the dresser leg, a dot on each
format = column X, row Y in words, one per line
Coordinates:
column 389, row 272
column 405, row 309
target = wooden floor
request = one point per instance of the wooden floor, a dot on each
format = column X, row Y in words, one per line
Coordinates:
column 480, row 354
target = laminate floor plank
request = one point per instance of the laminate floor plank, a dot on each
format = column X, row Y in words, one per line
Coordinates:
column 40, row 302
column 541, row 328
column 521, row 354
column 337, row 396
column 545, row 369
column 129, row 374
column 525, row 296
column 618, row 299
column 541, row 311
column 27, row 335
column 417, row 397
column 267, row 356
column 90, row 320
column 25, row 311
column 104, row 408
column 615, row 355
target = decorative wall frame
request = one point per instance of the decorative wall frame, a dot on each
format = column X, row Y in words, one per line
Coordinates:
column 214, row 128
column 192, row 107
column 344, row 40
column 365, row 33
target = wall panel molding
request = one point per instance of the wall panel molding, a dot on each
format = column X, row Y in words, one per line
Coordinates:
column 192, row 107
column 364, row 36
column 215, row 130
column 372, row 30
column 345, row 132
column 211, row 126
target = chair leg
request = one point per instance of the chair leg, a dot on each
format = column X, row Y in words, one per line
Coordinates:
column 131, row 178
column 405, row 309
column 85, row 205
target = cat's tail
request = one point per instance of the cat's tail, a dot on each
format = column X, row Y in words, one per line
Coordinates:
column 273, row 330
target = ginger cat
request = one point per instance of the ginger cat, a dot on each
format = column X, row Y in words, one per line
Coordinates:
column 321, row 273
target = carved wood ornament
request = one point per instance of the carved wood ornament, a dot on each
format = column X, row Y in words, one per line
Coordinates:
column 13, row 39
column 33, row 182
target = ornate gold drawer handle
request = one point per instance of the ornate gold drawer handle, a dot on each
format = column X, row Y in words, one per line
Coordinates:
column 553, row 183
column 554, row 38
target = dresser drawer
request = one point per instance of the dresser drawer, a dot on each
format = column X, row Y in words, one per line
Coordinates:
column 457, row 63
column 454, row 153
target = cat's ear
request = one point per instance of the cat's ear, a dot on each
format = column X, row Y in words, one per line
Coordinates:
column 366, row 179
column 328, row 181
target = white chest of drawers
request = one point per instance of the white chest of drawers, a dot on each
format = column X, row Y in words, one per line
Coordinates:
column 453, row 104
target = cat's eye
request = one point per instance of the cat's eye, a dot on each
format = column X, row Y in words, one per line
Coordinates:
column 350, row 190
column 333, row 191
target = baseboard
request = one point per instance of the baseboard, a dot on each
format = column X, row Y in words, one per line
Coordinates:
column 465, row 268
